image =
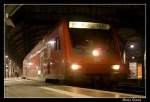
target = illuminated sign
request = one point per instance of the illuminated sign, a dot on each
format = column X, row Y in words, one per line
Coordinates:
column 89, row 25
column 133, row 70
column 139, row 71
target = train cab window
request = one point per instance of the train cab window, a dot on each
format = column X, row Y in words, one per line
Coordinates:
column 85, row 40
column 57, row 44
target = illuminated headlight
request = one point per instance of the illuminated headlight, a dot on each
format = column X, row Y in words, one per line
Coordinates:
column 115, row 67
column 75, row 66
column 95, row 53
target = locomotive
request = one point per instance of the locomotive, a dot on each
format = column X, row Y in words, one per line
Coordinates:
column 76, row 51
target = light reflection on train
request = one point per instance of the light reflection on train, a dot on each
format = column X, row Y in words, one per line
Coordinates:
column 76, row 51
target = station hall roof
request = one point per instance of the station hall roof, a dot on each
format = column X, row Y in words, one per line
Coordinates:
column 26, row 25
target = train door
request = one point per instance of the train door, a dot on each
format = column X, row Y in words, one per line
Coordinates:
column 48, row 70
column 45, row 62
column 57, row 56
column 41, row 68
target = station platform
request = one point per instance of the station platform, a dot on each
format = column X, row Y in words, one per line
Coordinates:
column 23, row 88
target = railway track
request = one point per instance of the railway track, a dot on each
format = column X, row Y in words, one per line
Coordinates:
column 131, row 86
column 128, row 86
column 130, row 89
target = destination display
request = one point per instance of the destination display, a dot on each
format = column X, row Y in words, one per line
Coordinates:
column 89, row 25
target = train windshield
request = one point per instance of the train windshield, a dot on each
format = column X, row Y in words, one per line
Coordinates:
column 86, row 39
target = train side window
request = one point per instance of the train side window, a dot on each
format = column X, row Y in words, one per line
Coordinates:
column 57, row 45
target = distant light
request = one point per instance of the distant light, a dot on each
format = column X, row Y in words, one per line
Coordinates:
column 39, row 72
column 30, row 63
column 51, row 42
column 133, row 57
column 6, row 56
column 132, row 46
column 88, row 25
column 95, row 53
column 51, row 63
column 124, row 57
column 7, row 15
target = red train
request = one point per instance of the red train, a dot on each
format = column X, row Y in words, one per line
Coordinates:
column 78, row 52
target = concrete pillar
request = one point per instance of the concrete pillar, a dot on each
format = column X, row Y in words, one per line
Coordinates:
column 124, row 57
column 144, row 65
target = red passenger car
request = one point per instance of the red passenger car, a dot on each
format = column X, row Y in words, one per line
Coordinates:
column 76, row 51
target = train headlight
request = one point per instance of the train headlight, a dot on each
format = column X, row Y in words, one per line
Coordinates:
column 95, row 53
column 116, row 67
column 75, row 66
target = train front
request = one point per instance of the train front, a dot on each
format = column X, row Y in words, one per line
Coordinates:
column 95, row 53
